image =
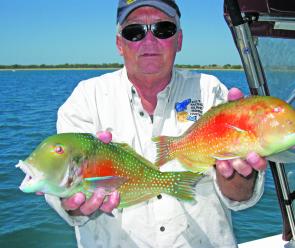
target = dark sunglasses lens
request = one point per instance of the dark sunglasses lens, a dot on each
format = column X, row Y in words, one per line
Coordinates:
column 133, row 32
column 164, row 30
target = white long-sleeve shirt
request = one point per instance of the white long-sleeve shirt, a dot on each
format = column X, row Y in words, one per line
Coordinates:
column 111, row 102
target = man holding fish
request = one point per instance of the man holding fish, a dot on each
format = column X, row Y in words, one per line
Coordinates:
column 136, row 104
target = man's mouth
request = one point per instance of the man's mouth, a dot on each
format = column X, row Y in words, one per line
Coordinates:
column 150, row 54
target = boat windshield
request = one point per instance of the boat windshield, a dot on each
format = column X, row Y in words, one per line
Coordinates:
column 264, row 33
column 277, row 56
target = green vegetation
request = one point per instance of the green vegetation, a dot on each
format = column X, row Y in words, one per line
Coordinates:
column 110, row 66
column 63, row 66
column 212, row 66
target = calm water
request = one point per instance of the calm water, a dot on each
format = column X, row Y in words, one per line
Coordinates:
column 28, row 106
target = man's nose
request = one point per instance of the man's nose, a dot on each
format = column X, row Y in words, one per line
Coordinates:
column 149, row 37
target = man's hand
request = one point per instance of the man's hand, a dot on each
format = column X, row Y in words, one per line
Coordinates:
column 236, row 177
column 105, row 136
column 244, row 167
column 78, row 205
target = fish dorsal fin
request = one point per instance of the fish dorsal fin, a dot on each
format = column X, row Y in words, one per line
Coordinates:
column 131, row 151
column 125, row 146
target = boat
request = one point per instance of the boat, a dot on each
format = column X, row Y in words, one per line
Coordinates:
column 264, row 34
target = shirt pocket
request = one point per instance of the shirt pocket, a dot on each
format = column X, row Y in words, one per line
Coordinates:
column 192, row 235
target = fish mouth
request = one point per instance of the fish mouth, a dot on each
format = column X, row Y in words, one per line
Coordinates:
column 290, row 136
column 289, row 140
column 31, row 177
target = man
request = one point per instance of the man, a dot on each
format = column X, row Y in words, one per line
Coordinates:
column 138, row 103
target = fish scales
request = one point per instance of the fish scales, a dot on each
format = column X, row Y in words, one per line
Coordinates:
column 262, row 124
column 68, row 163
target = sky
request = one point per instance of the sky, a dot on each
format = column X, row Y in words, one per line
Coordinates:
column 83, row 31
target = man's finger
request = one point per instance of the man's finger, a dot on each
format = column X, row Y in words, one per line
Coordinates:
column 94, row 203
column 74, row 202
column 104, row 136
column 112, row 202
column 224, row 168
column 234, row 94
column 241, row 166
column 257, row 162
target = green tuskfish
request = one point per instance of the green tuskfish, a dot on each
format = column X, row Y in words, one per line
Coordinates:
column 262, row 124
column 67, row 163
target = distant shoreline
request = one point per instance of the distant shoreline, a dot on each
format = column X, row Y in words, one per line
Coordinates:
column 110, row 66
column 116, row 66
column 106, row 69
column 57, row 69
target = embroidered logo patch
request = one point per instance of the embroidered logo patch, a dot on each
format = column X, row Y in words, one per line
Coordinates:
column 189, row 110
column 130, row 1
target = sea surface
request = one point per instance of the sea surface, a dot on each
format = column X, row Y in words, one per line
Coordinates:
column 29, row 101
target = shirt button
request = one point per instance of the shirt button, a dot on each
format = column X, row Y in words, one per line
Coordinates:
column 162, row 229
column 141, row 113
column 133, row 91
column 159, row 197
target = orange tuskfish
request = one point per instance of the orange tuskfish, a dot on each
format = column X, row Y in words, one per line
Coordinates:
column 67, row 163
column 262, row 124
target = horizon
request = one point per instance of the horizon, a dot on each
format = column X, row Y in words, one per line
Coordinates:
column 106, row 64
column 77, row 32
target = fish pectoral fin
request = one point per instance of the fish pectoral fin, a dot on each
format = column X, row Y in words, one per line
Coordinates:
column 192, row 165
column 236, row 128
column 109, row 183
column 282, row 157
column 224, row 156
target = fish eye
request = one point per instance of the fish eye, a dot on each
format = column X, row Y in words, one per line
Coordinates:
column 59, row 149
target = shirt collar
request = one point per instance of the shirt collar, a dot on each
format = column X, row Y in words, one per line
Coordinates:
column 131, row 89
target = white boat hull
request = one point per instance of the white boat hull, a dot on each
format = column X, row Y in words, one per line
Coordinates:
column 269, row 242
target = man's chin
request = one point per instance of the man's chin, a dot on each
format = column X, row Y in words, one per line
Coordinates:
column 151, row 68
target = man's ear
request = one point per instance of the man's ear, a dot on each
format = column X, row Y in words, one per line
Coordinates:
column 119, row 44
column 179, row 40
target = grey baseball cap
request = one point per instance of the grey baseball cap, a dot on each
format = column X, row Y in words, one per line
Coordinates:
column 125, row 7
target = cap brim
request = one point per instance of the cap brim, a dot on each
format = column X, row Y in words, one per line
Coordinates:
column 156, row 4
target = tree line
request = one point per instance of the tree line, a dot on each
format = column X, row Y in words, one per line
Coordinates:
column 110, row 66
column 62, row 66
column 211, row 66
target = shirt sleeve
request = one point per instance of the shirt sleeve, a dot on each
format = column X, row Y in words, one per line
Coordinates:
column 73, row 116
column 55, row 203
column 221, row 93
column 236, row 205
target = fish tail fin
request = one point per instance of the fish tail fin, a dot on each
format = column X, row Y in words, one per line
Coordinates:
column 184, row 184
column 165, row 151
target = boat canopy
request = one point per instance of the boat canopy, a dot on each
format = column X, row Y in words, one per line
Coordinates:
column 270, row 18
column 264, row 34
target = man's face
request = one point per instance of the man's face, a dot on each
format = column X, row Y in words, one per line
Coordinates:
column 150, row 56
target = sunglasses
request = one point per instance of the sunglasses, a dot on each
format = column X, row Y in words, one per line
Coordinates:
column 161, row 30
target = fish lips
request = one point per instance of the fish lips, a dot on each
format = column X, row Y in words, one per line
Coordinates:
column 32, row 177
